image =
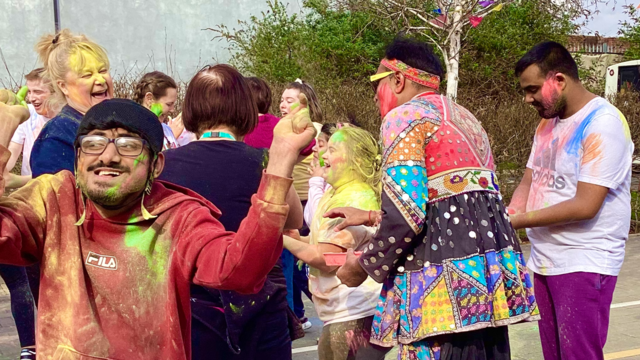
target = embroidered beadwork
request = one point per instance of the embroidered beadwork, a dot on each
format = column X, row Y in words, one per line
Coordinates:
column 461, row 181
column 458, row 295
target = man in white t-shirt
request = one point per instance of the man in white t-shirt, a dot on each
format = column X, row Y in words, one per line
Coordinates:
column 574, row 201
column 22, row 141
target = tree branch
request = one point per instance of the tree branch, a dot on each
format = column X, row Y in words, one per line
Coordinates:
column 414, row 12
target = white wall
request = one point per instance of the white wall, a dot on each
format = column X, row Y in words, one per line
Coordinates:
column 140, row 34
column 21, row 23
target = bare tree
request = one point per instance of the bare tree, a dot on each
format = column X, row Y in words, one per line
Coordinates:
column 445, row 23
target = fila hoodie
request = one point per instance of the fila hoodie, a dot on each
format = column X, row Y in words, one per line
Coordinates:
column 118, row 288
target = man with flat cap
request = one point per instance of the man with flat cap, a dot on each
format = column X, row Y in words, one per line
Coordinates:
column 119, row 250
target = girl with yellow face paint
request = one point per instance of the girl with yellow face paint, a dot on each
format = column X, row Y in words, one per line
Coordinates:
column 79, row 70
column 353, row 162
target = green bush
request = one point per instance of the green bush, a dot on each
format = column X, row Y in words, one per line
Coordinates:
column 491, row 50
column 326, row 46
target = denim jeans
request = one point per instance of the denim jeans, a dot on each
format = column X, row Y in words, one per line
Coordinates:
column 300, row 286
column 22, row 304
column 288, row 263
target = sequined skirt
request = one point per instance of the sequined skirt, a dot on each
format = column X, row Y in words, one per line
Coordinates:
column 468, row 273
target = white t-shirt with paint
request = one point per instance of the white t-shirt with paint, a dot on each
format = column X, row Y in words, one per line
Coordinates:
column 26, row 135
column 592, row 146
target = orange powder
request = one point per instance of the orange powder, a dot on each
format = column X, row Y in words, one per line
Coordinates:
column 592, row 149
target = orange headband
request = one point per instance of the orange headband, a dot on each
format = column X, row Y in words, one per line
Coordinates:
column 416, row 75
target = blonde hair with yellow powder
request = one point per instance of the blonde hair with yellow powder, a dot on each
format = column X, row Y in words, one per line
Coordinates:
column 364, row 156
column 64, row 52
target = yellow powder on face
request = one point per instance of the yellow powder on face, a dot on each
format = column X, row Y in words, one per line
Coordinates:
column 86, row 70
column 87, row 67
column 84, row 61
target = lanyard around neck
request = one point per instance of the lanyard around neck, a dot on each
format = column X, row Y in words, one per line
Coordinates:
column 217, row 135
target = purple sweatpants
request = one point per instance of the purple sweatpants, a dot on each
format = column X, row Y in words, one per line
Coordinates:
column 575, row 314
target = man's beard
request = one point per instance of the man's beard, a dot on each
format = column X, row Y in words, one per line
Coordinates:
column 554, row 108
column 110, row 196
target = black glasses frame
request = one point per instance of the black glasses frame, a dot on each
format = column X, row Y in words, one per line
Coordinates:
column 109, row 141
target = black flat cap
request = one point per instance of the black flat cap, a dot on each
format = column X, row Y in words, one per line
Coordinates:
column 126, row 114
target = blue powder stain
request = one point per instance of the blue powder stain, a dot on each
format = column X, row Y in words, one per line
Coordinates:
column 573, row 145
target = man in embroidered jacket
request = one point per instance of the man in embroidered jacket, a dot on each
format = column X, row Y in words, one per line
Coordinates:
column 116, row 263
column 451, row 264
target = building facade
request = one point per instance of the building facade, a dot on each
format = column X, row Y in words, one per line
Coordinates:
column 139, row 35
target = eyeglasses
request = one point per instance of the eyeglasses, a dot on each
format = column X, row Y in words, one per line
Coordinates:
column 375, row 79
column 126, row 146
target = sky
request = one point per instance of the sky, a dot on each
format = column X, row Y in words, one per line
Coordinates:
column 607, row 22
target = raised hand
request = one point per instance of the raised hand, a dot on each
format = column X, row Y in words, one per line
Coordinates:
column 293, row 133
column 316, row 170
column 22, row 95
column 7, row 97
column 12, row 114
column 176, row 125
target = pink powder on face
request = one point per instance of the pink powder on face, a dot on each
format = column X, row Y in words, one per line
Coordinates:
column 387, row 99
column 550, row 92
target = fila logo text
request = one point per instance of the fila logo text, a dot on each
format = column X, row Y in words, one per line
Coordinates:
column 102, row 261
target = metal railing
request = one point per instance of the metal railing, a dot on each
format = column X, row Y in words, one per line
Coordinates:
column 604, row 47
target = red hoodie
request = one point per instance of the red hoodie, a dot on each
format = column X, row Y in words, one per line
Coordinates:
column 118, row 288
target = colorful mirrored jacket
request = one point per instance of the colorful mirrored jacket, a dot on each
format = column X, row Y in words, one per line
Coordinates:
column 433, row 149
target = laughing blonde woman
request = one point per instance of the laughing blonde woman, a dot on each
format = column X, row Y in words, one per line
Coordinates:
column 79, row 71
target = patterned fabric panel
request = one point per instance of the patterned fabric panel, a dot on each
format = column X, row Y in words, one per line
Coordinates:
column 427, row 351
column 411, row 182
column 405, row 132
column 473, row 132
column 396, row 122
column 462, row 181
column 459, row 142
column 459, row 295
